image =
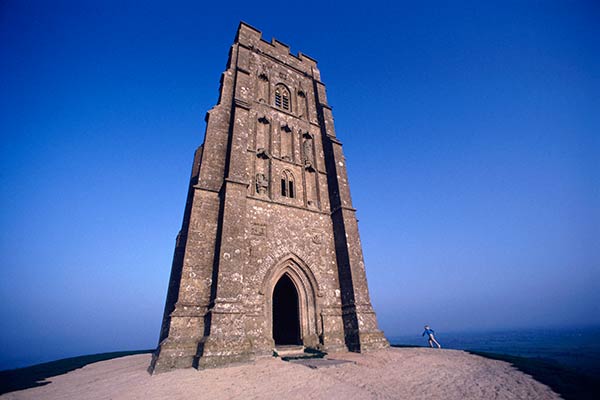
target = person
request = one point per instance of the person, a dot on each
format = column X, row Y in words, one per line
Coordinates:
column 431, row 339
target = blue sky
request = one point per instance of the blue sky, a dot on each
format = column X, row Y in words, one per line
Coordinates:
column 471, row 132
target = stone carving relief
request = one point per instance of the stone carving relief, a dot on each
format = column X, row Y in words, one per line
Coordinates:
column 307, row 150
column 317, row 238
column 262, row 184
column 258, row 229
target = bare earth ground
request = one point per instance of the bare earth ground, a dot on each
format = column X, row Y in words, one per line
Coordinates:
column 395, row 373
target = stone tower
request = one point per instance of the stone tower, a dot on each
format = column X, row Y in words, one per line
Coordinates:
column 269, row 252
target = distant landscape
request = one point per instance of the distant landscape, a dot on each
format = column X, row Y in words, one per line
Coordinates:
column 575, row 348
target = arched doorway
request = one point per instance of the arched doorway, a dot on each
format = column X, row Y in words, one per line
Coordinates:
column 286, row 312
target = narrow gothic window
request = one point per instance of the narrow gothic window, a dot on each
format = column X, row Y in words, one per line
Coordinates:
column 287, row 185
column 282, row 98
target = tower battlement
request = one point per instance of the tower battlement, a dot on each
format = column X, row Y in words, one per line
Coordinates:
column 250, row 37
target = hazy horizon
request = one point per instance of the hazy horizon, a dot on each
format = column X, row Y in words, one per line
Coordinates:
column 471, row 133
column 409, row 337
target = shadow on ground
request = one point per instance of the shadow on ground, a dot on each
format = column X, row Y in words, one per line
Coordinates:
column 29, row 377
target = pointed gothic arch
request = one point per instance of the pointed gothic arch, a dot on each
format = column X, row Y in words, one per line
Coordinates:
column 288, row 184
column 283, row 99
column 305, row 283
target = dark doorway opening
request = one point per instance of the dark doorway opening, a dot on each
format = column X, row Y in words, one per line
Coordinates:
column 286, row 316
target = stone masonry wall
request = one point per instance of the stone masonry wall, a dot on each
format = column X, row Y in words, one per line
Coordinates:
column 268, row 196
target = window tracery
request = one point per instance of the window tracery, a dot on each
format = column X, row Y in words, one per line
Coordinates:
column 282, row 98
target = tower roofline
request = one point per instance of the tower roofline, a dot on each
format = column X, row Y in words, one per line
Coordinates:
column 247, row 33
column 242, row 23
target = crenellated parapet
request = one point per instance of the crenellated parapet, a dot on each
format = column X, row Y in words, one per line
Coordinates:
column 251, row 38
